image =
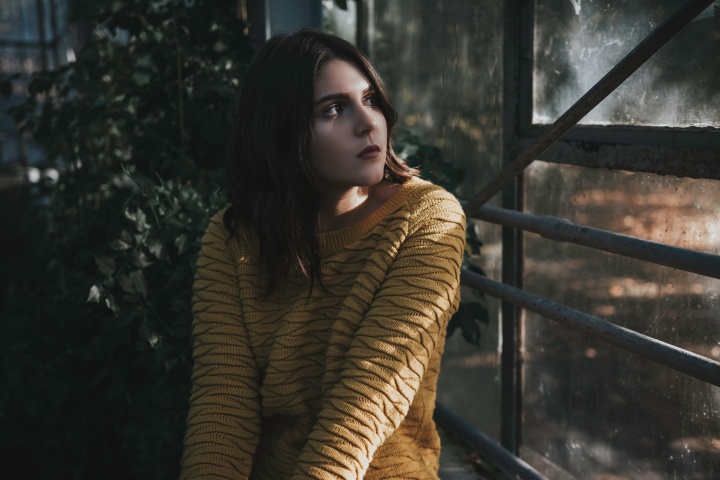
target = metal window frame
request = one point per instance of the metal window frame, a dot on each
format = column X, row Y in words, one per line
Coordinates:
column 674, row 151
column 682, row 141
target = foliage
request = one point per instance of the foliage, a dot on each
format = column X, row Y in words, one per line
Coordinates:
column 99, row 389
column 96, row 346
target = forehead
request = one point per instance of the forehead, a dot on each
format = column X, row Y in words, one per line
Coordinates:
column 339, row 76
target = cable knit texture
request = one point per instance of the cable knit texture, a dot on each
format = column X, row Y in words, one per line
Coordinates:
column 339, row 384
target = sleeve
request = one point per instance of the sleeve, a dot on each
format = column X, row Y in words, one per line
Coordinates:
column 391, row 349
column 223, row 424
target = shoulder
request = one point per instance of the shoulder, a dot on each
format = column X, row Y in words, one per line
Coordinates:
column 218, row 238
column 216, row 229
column 426, row 200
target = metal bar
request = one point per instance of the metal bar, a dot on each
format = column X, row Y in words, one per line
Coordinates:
column 696, row 138
column 562, row 230
column 510, row 361
column 632, row 61
column 485, row 446
column 663, row 353
column 681, row 162
column 361, row 32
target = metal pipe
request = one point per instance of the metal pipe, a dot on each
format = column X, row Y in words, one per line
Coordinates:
column 632, row 61
column 485, row 446
column 663, row 353
column 560, row 229
column 515, row 32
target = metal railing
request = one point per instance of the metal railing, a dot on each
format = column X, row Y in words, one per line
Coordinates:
column 666, row 354
column 501, row 458
column 563, row 230
column 558, row 229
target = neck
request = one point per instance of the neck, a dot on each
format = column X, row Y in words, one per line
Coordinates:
column 349, row 206
column 342, row 208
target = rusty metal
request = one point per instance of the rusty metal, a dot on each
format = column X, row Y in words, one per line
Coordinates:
column 362, row 39
column 485, row 446
column 515, row 20
column 681, row 162
column 636, row 58
column 663, row 353
column 565, row 231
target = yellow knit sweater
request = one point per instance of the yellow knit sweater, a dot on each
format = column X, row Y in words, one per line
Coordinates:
column 339, row 385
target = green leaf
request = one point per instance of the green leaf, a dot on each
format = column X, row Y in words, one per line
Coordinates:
column 182, row 242
column 170, row 363
column 130, row 214
column 141, row 223
column 133, row 282
column 468, row 319
column 105, row 264
column 119, row 245
column 148, row 334
column 477, row 312
column 140, row 260
column 157, row 249
column 111, row 304
column 95, row 294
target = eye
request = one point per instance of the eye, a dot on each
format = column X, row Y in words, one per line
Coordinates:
column 333, row 110
column 370, row 100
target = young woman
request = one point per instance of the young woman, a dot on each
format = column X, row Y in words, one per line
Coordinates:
column 323, row 291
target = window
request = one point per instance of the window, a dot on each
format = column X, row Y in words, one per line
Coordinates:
column 590, row 409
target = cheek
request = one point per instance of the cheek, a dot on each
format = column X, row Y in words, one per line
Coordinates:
column 316, row 150
column 382, row 126
column 325, row 145
column 322, row 151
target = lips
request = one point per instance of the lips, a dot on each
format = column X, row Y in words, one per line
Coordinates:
column 370, row 151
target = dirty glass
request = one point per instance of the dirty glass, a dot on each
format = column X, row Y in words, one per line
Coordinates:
column 578, row 41
column 340, row 18
column 594, row 411
column 442, row 64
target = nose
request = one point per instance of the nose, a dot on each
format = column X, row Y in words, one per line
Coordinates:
column 367, row 121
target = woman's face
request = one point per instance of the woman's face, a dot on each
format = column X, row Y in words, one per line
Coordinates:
column 349, row 141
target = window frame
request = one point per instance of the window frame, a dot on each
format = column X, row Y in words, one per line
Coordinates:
column 688, row 152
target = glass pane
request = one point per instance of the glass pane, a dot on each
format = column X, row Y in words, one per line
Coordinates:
column 469, row 382
column 594, row 411
column 442, row 64
column 578, row 41
column 19, row 20
column 340, row 19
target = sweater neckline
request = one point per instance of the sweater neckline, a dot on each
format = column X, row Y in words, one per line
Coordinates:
column 335, row 240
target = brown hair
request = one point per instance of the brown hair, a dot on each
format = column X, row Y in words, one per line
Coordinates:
column 272, row 186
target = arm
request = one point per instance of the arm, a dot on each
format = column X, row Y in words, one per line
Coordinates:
column 223, row 425
column 391, row 349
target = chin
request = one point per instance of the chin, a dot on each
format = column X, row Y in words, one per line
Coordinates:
column 377, row 178
column 368, row 179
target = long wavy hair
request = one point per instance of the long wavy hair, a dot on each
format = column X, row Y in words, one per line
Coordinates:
column 272, row 186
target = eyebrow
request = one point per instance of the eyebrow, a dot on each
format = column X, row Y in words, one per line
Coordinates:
column 341, row 96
